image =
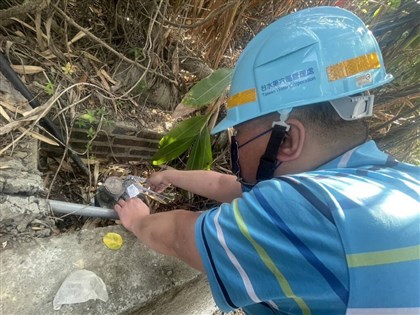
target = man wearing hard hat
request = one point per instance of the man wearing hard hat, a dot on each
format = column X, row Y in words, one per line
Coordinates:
column 316, row 219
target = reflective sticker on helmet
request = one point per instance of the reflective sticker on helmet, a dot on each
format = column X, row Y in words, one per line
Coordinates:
column 353, row 66
column 241, row 98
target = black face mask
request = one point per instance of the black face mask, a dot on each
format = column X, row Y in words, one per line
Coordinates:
column 268, row 162
column 235, row 166
column 234, row 158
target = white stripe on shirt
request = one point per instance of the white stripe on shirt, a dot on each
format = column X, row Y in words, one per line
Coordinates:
column 234, row 260
column 247, row 283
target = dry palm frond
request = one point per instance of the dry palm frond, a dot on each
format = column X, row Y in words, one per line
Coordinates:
column 396, row 126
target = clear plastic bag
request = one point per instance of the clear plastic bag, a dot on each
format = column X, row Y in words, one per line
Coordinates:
column 80, row 286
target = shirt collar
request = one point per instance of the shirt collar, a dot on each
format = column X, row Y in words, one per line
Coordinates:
column 365, row 154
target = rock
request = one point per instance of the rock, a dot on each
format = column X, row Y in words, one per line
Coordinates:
column 44, row 223
column 13, row 206
column 22, row 227
column 15, row 183
column 22, row 221
column 43, row 233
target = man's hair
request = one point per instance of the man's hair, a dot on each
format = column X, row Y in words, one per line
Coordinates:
column 324, row 121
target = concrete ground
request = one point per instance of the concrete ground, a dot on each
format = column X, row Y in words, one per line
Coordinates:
column 138, row 280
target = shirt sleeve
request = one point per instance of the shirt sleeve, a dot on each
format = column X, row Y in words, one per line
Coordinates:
column 273, row 248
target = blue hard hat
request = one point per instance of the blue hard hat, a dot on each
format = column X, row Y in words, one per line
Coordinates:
column 314, row 55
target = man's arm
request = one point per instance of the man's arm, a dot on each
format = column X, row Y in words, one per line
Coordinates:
column 170, row 233
column 209, row 184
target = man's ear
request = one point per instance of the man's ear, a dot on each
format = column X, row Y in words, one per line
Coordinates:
column 292, row 146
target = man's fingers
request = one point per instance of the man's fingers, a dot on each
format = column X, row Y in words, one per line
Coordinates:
column 119, row 205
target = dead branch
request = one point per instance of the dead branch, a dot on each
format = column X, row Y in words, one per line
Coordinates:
column 20, row 11
column 102, row 43
column 212, row 15
column 396, row 117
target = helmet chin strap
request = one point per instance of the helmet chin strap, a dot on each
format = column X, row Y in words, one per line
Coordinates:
column 268, row 161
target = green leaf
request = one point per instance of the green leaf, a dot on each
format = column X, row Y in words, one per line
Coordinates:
column 201, row 155
column 49, row 88
column 208, row 89
column 394, row 3
column 185, row 129
column 90, row 133
column 81, row 123
column 88, row 117
column 172, row 150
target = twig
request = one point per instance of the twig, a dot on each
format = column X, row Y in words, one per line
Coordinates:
column 212, row 15
column 401, row 114
column 71, row 105
column 101, row 42
column 50, row 103
column 237, row 11
column 21, row 10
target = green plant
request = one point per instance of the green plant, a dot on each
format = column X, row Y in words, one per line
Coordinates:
column 49, row 88
column 136, row 52
column 141, row 87
column 89, row 117
column 92, row 117
column 91, row 120
column 193, row 134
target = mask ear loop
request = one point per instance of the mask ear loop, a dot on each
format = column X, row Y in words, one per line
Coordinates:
column 268, row 161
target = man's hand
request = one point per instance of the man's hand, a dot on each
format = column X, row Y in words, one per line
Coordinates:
column 158, row 181
column 131, row 212
column 170, row 233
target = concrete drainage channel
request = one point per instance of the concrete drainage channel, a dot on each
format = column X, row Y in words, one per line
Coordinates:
column 138, row 280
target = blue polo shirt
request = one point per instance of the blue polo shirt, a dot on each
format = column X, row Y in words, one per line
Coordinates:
column 299, row 244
